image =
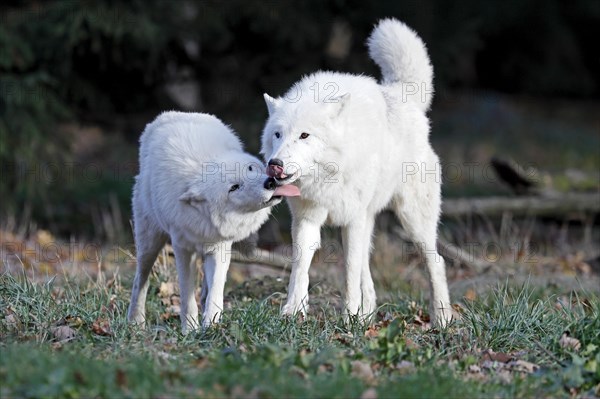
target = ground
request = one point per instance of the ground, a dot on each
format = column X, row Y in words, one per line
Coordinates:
column 66, row 336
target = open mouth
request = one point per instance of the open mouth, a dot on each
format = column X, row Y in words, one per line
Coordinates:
column 281, row 178
column 281, row 181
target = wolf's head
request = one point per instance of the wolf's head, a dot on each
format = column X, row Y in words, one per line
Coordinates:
column 301, row 137
column 235, row 193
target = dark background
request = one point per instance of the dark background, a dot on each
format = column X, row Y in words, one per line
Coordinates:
column 80, row 79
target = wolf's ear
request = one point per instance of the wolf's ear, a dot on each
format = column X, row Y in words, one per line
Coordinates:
column 192, row 196
column 337, row 104
column 272, row 103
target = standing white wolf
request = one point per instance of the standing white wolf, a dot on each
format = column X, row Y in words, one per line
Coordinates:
column 197, row 187
column 358, row 149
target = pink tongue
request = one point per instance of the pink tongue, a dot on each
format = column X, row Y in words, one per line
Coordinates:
column 287, row 190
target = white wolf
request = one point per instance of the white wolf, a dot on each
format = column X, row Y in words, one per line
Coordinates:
column 197, row 187
column 359, row 149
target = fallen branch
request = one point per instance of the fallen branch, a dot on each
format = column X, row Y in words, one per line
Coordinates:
column 454, row 253
column 255, row 256
column 262, row 257
column 558, row 205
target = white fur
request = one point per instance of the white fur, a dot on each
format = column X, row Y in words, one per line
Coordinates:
column 368, row 149
column 188, row 164
column 403, row 59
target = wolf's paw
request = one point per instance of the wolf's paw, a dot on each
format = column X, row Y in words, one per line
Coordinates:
column 368, row 308
column 353, row 311
column 443, row 316
column 137, row 319
column 292, row 308
column 210, row 317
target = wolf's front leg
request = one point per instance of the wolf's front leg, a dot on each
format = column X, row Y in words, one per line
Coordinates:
column 215, row 273
column 360, row 295
column 307, row 239
column 186, row 272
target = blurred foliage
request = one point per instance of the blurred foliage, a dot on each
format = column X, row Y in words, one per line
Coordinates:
column 108, row 64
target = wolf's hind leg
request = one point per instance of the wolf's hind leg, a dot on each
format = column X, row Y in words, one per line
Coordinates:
column 418, row 208
column 149, row 241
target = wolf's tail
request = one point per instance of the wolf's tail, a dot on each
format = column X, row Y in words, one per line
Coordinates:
column 404, row 62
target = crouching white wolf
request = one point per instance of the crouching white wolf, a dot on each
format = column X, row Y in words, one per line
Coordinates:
column 197, row 187
column 355, row 147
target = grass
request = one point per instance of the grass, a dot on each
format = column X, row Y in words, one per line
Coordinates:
column 255, row 353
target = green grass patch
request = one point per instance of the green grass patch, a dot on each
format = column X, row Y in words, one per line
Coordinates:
column 72, row 340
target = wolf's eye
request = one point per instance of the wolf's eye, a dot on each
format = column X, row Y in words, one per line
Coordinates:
column 304, row 135
column 234, row 187
column 277, row 134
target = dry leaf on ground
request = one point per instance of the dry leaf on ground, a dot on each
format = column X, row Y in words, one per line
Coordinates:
column 569, row 342
column 11, row 322
column 101, row 326
column 63, row 333
column 344, row 338
column 523, row 366
column 474, row 368
column 470, row 295
column 362, row 370
column 496, row 356
column 372, row 331
column 370, row 393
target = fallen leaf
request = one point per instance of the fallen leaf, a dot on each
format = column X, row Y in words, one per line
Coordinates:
column 491, row 365
column 325, row 368
column 505, row 376
column 569, row 342
column 370, row 393
column 101, row 326
column 458, row 309
column 425, row 325
column 168, row 315
column 423, row 316
column 112, row 304
column 344, row 338
column 470, row 295
column 11, row 321
column 496, row 356
column 474, row 369
column 166, row 289
column 372, row 331
column 362, row 370
column 173, row 304
column 63, row 333
column 174, row 309
column 523, row 366
column 299, row 372
column 72, row 321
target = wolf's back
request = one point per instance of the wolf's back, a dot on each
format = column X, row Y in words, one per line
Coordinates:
column 403, row 59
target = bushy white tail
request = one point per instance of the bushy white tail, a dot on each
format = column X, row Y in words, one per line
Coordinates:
column 403, row 59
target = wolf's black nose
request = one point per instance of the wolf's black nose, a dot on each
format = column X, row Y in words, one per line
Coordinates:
column 276, row 162
column 270, row 184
